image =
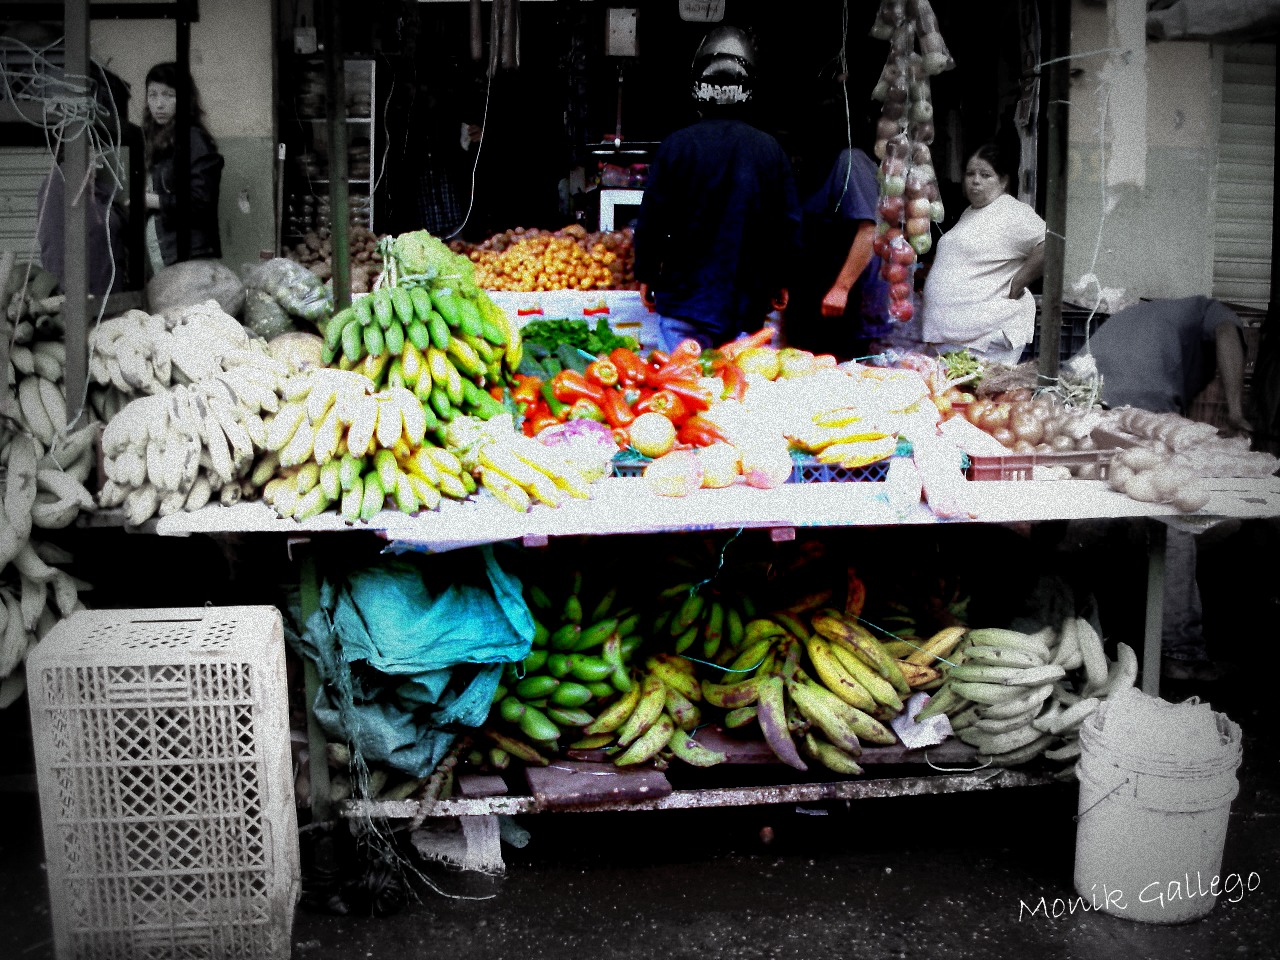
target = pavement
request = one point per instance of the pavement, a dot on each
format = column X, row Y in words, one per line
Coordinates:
column 963, row 876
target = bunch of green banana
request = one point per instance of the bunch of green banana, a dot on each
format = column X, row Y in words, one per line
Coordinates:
column 703, row 621
column 654, row 720
column 1014, row 696
column 580, row 661
column 442, row 346
column 335, row 441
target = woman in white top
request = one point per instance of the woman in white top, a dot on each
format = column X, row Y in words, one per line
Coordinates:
column 975, row 295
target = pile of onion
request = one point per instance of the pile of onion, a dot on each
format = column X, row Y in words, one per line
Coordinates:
column 1038, row 425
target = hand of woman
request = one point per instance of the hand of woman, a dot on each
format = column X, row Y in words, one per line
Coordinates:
column 835, row 302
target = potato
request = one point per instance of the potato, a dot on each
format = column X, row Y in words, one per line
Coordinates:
column 1140, row 458
column 1140, row 487
column 1192, row 497
column 1168, row 481
column 1118, row 476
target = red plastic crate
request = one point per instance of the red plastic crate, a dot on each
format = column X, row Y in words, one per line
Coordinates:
column 1021, row 466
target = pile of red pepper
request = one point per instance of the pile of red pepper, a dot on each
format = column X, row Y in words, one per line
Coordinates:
column 619, row 386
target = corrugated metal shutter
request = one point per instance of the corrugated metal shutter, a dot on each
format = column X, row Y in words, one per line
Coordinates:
column 22, row 170
column 1245, row 176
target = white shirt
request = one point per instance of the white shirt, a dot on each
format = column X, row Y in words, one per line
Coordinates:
column 966, row 295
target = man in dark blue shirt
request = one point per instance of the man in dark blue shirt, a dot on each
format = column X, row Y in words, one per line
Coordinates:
column 1159, row 355
column 717, row 233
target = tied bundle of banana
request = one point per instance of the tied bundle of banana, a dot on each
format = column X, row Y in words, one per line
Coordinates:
column 820, row 685
column 176, row 449
column 846, row 437
column 1014, row 695
column 34, row 591
column 338, row 441
column 703, row 620
column 140, row 354
column 448, row 348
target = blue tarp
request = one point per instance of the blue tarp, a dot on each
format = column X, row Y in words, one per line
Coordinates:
column 405, row 662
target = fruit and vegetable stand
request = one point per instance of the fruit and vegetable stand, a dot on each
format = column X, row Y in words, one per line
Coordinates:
column 585, row 780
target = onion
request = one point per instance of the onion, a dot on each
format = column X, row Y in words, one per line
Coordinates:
column 1026, row 426
column 1061, row 443
column 766, row 465
column 1004, row 436
column 675, row 474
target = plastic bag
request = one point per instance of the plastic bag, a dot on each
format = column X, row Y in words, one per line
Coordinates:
column 264, row 316
column 298, row 291
column 191, row 282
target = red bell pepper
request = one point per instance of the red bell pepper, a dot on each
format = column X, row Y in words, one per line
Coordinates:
column 761, row 338
column 664, row 402
column 539, row 421
column 616, row 410
column 603, row 371
column 570, row 386
column 526, row 388
column 735, row 381
column 676, row 370
column 631, row 369
column 585, row 409
column 497, row 393
column 693, row 396
column 699, row 432
column 686, row 349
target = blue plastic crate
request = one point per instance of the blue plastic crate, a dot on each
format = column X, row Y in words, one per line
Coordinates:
column 805, row 469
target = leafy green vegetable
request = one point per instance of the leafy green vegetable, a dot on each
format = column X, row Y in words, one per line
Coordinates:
column 579, row 334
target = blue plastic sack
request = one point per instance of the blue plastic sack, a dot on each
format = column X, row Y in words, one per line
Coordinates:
column 405, row 662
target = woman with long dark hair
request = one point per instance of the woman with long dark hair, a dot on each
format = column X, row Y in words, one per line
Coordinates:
column 159, row 126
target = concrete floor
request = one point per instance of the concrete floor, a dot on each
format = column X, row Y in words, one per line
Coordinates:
column 950, row 876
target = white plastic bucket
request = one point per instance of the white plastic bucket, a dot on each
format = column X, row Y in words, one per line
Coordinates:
column 1151, row 824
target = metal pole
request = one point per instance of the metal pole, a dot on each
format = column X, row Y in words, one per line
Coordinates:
column 78, row 197
column 339, row 208
column 182, row 136
column 1056, row 114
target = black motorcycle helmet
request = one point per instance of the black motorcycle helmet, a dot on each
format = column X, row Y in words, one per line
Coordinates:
column 724, row 67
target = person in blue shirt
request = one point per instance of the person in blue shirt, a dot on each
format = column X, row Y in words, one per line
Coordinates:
column 839, row 303
column 1159, row 355
column 717, row 232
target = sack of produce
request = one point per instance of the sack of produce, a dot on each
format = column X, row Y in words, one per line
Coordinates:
column 298, row 291
column 195, row 281
column 264, row 316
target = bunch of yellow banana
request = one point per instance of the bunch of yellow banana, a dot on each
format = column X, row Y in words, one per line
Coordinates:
column 787, row 679
column 336, row 441
column 653, row 720
column 847, row 437
column 1014, row 695
column 520, row 471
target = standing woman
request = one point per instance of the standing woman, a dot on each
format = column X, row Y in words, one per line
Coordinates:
column 976, row 295
column 205, row 172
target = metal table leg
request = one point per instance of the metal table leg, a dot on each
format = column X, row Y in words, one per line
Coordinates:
column 1151, row 638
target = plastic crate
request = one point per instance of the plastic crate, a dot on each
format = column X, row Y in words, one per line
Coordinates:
column 166, row 792
column 1077, row 326
column 1025, row 466
column 803, row 470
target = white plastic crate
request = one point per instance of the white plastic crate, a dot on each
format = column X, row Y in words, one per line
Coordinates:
column 166, row 792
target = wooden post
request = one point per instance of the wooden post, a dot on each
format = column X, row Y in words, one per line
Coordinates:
column 339, row 204
column 1058, row 33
